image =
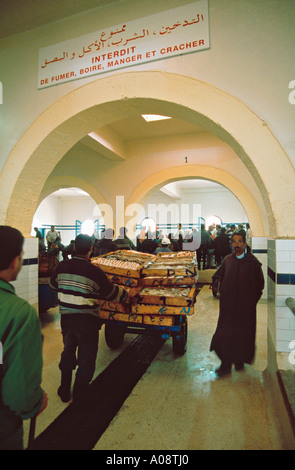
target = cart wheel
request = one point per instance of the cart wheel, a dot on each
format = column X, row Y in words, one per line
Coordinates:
column 179, row 340
column 114, row 335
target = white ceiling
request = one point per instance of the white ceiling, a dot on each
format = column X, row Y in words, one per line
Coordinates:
column 70, row 192
column 178, row 186
column 196, row 184
column 137, row 128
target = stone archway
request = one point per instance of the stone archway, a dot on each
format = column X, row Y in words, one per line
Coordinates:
column 257, row 221
column 60, row 182
column 71, row 118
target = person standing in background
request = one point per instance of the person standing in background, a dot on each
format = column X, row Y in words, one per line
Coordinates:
column 241, row 286
column 248, row 235
column 221, row 246
column 51, row 236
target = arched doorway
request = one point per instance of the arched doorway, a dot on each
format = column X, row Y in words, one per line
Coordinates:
column 159, row 179
column 72, row 211
column 76, row 114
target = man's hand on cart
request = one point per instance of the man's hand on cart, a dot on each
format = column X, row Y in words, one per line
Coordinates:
column 123, row 295
column 133, row 295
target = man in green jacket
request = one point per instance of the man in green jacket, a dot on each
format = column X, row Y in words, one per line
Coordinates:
column 21, row 396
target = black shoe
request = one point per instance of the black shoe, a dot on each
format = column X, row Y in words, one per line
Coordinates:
column 239, row 366
column 223, row 370
column 65, row 395
column 64, row 391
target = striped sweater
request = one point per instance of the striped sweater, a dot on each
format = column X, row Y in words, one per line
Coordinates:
column 79, row 284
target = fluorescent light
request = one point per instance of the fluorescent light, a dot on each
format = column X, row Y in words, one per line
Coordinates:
column 154, row 117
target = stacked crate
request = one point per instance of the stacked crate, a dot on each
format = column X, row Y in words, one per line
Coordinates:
column 160, row 287
column 123, row 268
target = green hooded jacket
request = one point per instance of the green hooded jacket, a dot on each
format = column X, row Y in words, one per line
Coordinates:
column 21, row 361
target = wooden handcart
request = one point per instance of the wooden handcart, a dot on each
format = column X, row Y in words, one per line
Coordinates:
column 162, row 294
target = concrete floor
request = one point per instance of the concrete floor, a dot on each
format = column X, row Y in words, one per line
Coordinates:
column 179, row 403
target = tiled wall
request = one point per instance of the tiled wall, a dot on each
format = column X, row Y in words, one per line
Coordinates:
column 259, row 249
column 278, row 264
column 281, row 285
column 26, row 285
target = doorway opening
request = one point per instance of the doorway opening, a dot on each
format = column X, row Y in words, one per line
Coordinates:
column 71, row 211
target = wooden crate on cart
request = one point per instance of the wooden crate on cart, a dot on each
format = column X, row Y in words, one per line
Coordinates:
column 162, row 293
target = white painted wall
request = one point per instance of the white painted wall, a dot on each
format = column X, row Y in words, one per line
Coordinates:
column 66, row 210
column 251, row 57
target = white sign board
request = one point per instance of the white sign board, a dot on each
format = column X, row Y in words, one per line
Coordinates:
column 178, row 31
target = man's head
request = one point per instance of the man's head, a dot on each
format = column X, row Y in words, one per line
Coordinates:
column 11, row 246
column 83, row 244
column 109, row 234
column 238, row 242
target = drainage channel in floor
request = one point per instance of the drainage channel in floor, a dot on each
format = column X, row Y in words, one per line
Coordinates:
column 80, row 425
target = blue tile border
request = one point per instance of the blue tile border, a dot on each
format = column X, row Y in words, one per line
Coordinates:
column 29, row 261
column 271, row 274
column 281, row 278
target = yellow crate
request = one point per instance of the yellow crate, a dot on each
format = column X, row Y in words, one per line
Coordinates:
column 158, row 320
column 108, row 315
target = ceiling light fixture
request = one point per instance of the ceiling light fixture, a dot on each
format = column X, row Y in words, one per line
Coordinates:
column 154, row 117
